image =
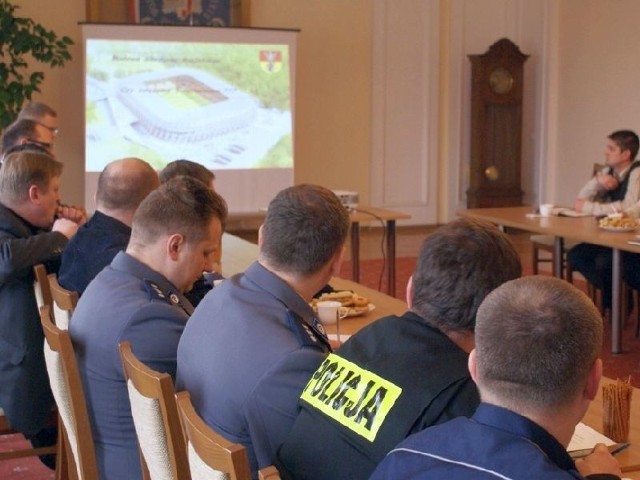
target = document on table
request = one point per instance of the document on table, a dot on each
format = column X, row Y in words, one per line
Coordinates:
column 568, row 212
column 585, row 438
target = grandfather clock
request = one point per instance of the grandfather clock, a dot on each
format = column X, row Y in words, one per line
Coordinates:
column 496, row 126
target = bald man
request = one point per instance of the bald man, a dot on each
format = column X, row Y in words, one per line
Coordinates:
column 122, row 186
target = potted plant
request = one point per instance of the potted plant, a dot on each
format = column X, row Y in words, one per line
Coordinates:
column 23, row 39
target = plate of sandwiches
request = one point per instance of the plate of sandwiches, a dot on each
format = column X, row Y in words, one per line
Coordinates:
column 356, row 304
column 618, row 223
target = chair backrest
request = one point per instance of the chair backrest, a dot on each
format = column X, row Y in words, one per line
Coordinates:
column 211, row 456
column 64, row 302
column 41, row 286
column 69, row 395
column 269, row 473
column 155, row 416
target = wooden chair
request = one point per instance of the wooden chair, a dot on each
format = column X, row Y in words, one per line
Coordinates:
column 155, row 416
column 69, row 395
column 545, row 243
column 41, row 286
column 64, row 302
column 211, row 455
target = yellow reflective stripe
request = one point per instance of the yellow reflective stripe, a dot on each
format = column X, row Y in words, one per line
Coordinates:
column 357, row 398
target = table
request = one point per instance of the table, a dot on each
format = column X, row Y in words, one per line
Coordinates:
column 385, row 305
column 363, row 214
column 583, row 229
column 388, row 217
column 629, row 458
column 238, row 254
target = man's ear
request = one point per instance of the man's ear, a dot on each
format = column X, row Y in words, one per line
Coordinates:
column 175, row 244
column 34, row 194
column 593, row 380
column 260, row 236
column 336, row 262
column 409, row 292
column 472, row 365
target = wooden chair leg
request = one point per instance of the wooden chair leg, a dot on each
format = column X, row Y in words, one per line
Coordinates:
column 535, row 258
column 568, row 271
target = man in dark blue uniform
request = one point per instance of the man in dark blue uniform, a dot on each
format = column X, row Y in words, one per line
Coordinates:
column 536, row 365
column 253, row 342
column 139, row 298
column 122, row 185
column 203, row 285
column 415, row 363
column 29, row 234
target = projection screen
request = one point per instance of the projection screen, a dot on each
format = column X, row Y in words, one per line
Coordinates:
column 222, row 97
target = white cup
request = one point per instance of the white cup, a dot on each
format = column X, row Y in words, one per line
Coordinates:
column 330, row 311
column 546, row 209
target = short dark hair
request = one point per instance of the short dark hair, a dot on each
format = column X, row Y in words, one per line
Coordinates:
column 20, row 170
column 36, row 111
column 188, row 168
column 18, row 129
column 181, row 205
column 537, row 339
column 305, row 226
column 626, row 140
column 124, row 188
column 458, row 265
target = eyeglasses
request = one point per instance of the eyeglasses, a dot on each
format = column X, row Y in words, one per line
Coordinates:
column 53, row 130
column 45, row 145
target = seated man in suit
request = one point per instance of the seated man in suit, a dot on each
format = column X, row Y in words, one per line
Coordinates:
column 614, row 189
column 33, row 230
column 139, row 298
column 253, row 342
column 122, row 185
column 458, row 265
column 537, row 367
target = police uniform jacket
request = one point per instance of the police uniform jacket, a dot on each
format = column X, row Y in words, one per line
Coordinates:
column 126, row 301
column 25, row 395
column 395, row 377
column 91, row 249
column 494, row 444
column 245, row 356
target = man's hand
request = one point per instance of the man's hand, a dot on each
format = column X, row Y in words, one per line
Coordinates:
column 65, row 226
column 599, row 461
column 608, row 182
column 75, row 214
column 579, row 204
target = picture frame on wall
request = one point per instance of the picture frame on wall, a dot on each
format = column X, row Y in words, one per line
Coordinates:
column 213, row 13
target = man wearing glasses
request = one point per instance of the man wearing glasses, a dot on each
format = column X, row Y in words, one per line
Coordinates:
column 43, row 115
column 28, row 132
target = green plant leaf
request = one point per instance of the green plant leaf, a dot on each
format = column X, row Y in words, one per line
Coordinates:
column 21, row 39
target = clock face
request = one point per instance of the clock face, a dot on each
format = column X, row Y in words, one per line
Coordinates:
column 501, row 81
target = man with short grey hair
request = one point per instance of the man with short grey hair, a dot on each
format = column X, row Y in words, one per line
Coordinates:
column 537, row 367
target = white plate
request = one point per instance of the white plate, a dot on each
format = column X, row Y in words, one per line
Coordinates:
column 371, row 306
column 619, row 229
